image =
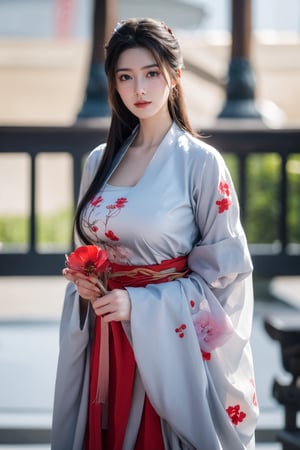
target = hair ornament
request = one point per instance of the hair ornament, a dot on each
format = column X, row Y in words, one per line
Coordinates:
column 115, row 30
column 169, row 30
column 118, row 26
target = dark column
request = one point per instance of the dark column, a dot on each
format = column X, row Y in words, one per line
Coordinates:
column 240, row 89
column 104, row 20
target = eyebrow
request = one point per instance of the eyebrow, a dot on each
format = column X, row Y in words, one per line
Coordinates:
column 125, row 69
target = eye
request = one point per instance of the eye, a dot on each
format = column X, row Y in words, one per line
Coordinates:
column 124, row 77
column 153, row 73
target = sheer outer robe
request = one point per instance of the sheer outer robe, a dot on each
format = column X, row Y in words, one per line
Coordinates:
column 193, row 395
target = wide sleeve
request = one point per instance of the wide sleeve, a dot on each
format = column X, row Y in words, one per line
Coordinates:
column 72, row 376
column 191, row 336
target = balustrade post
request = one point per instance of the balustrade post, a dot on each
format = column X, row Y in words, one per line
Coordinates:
column 240, row 89
column 286, row 330
column 32, row 220
column 283, row 198
column 104, row 20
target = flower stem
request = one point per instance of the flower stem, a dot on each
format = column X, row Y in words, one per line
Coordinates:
column 105, row 291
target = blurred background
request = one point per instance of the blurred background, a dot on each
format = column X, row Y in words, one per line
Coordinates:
column 47, row 49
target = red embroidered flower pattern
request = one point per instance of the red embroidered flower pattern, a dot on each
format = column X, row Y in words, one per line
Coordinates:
column 223, row 204
column 212, row 332
column 206, row 355
column 95, row 201
column 192, row 304
column 235, row 414
column 120, row 203
column 111, row 207
column 111, row 235
column 112, row 211
column 224, row 188
column 98, row 220
column 254, row 398
column 180, row 330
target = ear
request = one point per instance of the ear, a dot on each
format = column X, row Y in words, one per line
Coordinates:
column 178, row 76
column 179, row 72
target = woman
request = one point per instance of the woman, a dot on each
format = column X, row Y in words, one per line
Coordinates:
column 178, row 311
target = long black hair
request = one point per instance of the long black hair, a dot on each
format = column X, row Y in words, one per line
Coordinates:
column 159, row 39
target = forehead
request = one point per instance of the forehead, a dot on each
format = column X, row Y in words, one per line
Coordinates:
column 133, row 58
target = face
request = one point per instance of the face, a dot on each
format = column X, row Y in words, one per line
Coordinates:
column 143, row 87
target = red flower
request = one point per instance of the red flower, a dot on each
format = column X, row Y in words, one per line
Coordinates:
column 94, row 228
column 88, row 259
column 235, row 414
column 111, row 235
column 97, row 200
column 223, row 204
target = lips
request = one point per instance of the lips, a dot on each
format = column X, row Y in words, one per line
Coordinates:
column 142, row 104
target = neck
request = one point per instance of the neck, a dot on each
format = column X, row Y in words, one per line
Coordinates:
column 151, row 132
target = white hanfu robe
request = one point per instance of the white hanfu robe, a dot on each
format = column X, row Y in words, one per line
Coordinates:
column 190, row 337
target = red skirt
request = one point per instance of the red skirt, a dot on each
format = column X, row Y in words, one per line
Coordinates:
column 122, row 368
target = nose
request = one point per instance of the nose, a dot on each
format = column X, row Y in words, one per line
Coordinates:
column 139, row 90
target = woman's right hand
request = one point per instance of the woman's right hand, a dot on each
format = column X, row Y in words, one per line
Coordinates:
column 87, row 286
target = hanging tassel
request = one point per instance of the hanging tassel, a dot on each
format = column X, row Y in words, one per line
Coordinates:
column 103, row 373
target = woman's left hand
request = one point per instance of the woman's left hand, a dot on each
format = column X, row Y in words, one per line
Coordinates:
column 115, row 305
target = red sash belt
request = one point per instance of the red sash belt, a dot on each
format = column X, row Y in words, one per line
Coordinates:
column 122, row 276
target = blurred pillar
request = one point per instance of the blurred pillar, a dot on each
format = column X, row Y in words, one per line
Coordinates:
column 104, row 20
column 240, row 89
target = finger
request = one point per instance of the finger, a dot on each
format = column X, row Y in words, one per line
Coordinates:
column 102, row 306
column 101, row 302
column 88, row 284
column 114, row 316
column 87, row 294
column 113, row 306
column 67, row 275
column 90, row 278
column 72, row 275
column 88, row 287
